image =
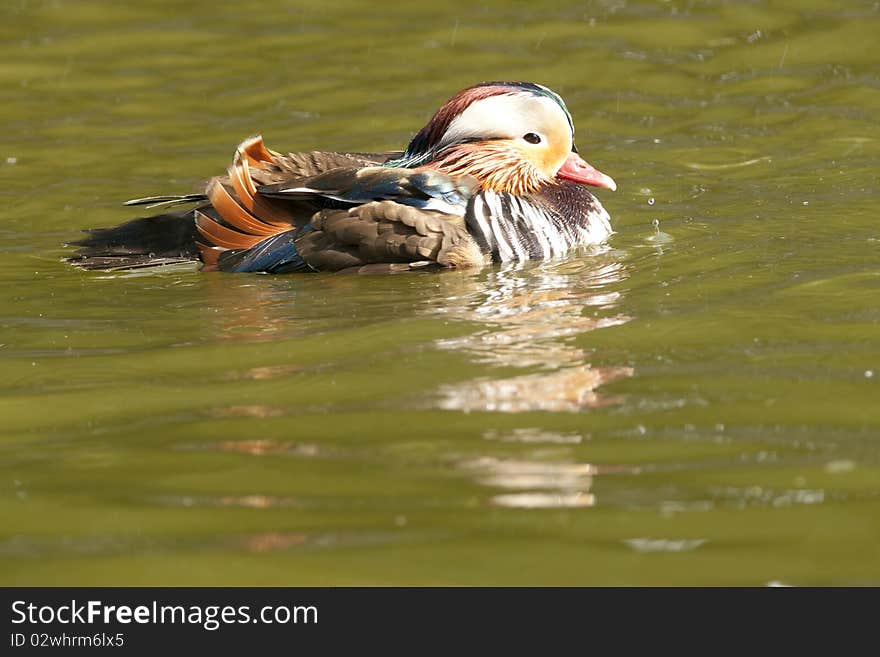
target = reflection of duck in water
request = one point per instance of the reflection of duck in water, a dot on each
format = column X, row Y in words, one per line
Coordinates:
column 494, row 176
column 528, row 317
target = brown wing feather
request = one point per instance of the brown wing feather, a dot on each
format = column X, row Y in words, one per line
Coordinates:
column 323, row 252
column 292, row 166
column 388, row 232
column 255, row 150
column 240, row 177
column 235, row 215
column 219, row 235
column 242, row 182
column 209, row 255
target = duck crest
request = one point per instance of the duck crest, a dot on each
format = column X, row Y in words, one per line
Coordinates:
column 422, row 146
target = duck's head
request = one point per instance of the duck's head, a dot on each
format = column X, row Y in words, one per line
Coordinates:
column 511, row 136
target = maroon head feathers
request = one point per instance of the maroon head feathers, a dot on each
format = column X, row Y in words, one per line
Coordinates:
column 421, row 146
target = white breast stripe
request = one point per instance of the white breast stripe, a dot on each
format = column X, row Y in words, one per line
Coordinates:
column 559, row 237
column 510, row 220
column 597, row 229
column 505, row 251
column 480, row 213
column 538, row 225
column 517, row 228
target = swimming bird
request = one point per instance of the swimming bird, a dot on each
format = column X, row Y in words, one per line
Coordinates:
column 493, row 176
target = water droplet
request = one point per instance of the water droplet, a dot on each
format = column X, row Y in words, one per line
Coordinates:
column 806, row 202
column 651, row 201
column 658, row 237
column 869, row 374
column 11, row 160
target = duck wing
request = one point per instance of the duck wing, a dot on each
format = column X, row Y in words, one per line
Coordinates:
column 342, row 218
column 372, row 237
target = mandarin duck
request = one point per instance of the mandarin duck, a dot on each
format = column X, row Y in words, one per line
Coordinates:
column 493, row 176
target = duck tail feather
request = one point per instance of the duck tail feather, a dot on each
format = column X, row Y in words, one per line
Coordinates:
column 147, row 241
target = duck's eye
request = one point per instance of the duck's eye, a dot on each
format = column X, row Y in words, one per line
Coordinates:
column 532, row 138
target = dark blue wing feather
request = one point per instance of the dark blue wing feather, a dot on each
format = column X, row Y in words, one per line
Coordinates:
column 430, row 190
column 275, row 255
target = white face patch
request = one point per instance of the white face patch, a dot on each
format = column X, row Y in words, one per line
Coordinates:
column 509, row 116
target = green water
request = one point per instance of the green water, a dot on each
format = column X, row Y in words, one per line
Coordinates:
column 698, row 403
